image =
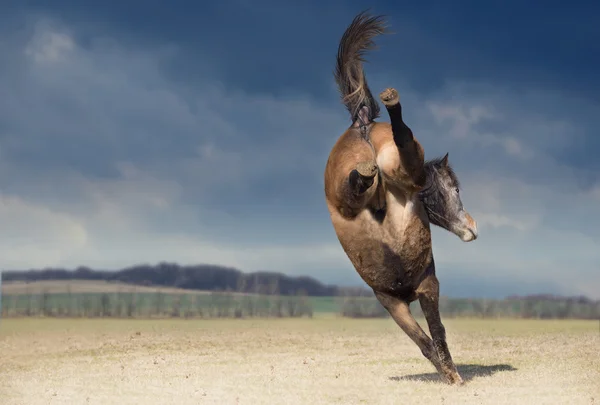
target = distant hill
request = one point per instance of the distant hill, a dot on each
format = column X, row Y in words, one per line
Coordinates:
column 208, row 277
column 197, row 281
column 41, row 287
column 199, row 277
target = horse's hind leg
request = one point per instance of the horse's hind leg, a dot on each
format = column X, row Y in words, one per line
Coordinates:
column 362, row 177
column 400, row 312
column 429, row 294
column 351, row 174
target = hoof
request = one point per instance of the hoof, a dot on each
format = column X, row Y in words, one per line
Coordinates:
column 389, row 97
column 367, row 169
column 456, row 380
column 363, row 177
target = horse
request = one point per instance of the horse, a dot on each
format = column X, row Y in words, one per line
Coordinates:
column 377, row 190
column 441, row 199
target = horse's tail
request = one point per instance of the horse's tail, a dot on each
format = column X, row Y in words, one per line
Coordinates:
column 349, row 74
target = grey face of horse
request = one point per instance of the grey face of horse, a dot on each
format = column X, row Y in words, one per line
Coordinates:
column 441, row 198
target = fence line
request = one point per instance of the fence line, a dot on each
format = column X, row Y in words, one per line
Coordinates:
column 154, row 304
column 129, row 303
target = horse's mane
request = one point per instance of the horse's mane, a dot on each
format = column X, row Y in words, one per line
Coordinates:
column 433, row 168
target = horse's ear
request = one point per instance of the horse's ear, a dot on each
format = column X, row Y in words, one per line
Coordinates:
column 445, row 161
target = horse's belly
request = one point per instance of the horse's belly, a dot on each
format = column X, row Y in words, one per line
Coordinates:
column 391, row 255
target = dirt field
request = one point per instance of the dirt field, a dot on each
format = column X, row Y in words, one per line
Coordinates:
column 320, row 361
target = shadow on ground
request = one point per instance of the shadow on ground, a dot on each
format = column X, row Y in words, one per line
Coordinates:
column 466, row 371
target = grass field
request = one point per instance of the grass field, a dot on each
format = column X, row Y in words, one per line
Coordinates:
column 69, row 294
column 88, row 298
column 324, row 360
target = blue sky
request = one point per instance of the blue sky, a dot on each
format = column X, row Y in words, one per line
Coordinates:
column 147, row 132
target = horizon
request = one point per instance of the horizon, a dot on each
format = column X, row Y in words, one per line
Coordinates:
column 159, row 134
column 270, row 272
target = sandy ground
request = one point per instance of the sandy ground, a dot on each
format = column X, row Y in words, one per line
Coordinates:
column 318, row 361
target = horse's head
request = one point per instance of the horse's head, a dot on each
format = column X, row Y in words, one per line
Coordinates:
column 441, row 199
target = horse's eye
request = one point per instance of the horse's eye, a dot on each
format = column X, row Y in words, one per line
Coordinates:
column 456, row 190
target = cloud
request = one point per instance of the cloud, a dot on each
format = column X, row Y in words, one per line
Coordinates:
column 463, row 123
column 49, row 47
column 594, row 192
column 151, row 172
column 461, row 118
column 37, row 234
column 107, row 160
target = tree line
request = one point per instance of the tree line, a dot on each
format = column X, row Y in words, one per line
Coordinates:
column 528, row 307
column 229, row 304
column 198, row 277
column 146, row 305
column 232, row 293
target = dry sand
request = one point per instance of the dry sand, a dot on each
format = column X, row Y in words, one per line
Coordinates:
column 320, row 361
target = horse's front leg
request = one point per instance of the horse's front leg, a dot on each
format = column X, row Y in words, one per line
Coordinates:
column 429, row 295
column 400, row 312
column 409, row 174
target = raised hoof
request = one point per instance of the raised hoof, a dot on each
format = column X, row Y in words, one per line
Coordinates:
column 389, row 97
column 367, row 169
column 362, row 177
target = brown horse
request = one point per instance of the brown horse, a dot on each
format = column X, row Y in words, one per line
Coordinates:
column 376, row 183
